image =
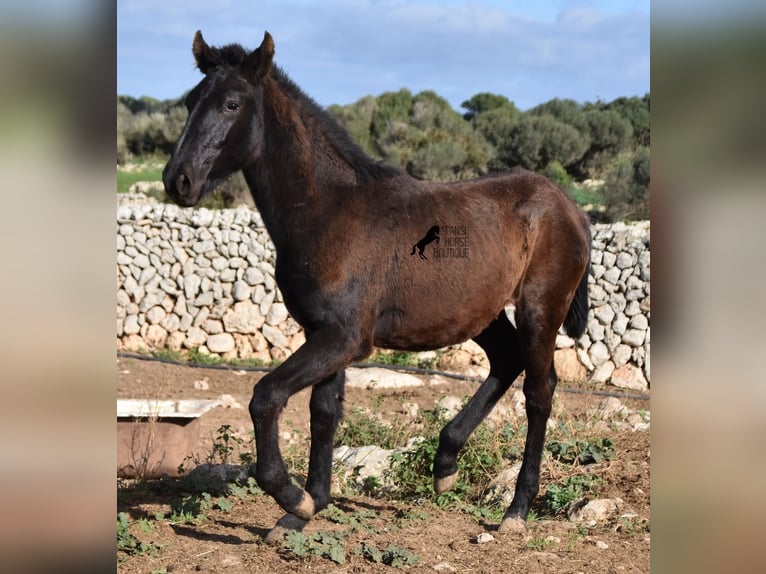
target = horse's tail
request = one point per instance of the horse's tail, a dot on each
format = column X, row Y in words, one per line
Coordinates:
column 577, row 316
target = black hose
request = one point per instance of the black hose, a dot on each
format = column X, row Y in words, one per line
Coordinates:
column 401, row 368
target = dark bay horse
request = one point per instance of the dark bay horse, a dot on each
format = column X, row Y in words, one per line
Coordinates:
column 343, row 226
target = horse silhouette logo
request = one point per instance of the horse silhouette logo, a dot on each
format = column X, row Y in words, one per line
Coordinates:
column 420, row 246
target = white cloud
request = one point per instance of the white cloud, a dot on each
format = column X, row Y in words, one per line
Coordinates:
column 339, row 50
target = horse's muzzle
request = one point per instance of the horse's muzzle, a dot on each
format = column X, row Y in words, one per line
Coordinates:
column 182, row 188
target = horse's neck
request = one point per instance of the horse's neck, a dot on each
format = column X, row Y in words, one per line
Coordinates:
column 294, row 176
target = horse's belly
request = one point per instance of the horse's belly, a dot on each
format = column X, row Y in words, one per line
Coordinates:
column 435, row 322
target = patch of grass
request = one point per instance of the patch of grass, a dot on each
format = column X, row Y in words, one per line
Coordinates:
column 330, row 545
column 361, row 428
column 404, row 359
column 128, row 543
column 169, row 355
column 485, row 454
column 194, row 356
column 143, row 172
column 583, row 451
column 539, row 543
column 190, row 508
column 227, row 448
column 558, row 497
column 586, row 196
column 391, row 555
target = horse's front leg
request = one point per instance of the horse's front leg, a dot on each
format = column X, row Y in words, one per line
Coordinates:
column 326, row 408
column 326, row 352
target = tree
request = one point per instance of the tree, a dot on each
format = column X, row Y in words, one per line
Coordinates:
column 535, row 141
column 485, row 102
column 609, row 135
column 357, row 119
column 626, row 187
column 421, row 133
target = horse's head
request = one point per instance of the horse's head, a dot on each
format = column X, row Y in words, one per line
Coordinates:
column 224, row 130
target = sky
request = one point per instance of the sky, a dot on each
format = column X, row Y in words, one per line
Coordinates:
column 339, row 51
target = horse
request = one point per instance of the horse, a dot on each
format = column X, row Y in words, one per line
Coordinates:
column 342, row 225
column 430, row 236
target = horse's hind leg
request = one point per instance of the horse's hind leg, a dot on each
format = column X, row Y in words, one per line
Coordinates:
column 537, row 325
column 501, row 343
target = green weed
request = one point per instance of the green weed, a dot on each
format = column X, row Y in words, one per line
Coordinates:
column 392, row 555
column 128, row 543
column 583, row 451
column 361, row 428
column 328, row 545
column 558, row 497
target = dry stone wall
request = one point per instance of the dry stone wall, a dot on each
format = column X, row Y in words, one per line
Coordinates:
column 204, row 279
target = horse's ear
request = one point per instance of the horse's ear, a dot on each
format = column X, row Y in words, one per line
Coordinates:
column 258, row 63
column 207, row 59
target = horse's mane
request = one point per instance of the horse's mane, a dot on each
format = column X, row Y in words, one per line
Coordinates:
column 366, row 168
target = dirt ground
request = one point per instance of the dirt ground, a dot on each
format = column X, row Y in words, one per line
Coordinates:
column 444, row 541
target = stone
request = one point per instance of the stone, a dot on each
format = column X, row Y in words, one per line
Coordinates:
column 130, row 325
column 195, row 337
column 175, row 340
column 483, row 538
column 213, row 327
column 599, row 510
column 634, row 337
column 598, row 353
column 604, row 314
column 629, row 377
column 612, row 275
column 296, row 341
column 568, row 366
column 240, row 291
column 274, row 336
column 562, row 342
column 449, row 406
column 156, row 337
column 621, row 355
column 191, row 286
column 253, row 276
column 501, row 490
column 277, row 314
column 639, row 322
column 243, row 317
column 155, row 315
column 220, row 263
column 266, row 302
column 379, row 378
column 363, row 462
column 596, row 331
column 620, row 324
column 220, row 342
column 603, row 372
column 624, row 260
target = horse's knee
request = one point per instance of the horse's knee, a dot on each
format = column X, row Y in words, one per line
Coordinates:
column 265, row 401
column 539, row 400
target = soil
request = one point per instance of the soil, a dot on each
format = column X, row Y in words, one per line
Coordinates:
column 445, row 541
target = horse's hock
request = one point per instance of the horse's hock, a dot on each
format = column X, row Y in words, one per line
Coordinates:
column 198, row 278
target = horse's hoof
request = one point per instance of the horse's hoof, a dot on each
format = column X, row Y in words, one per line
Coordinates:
column 288, row 523
column 512, row 525
column 445, row 483
column 305, row 510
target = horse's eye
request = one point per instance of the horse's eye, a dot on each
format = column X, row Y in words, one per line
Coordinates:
column 232, row 106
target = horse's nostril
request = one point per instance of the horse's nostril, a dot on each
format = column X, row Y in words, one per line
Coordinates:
column 183, row 183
